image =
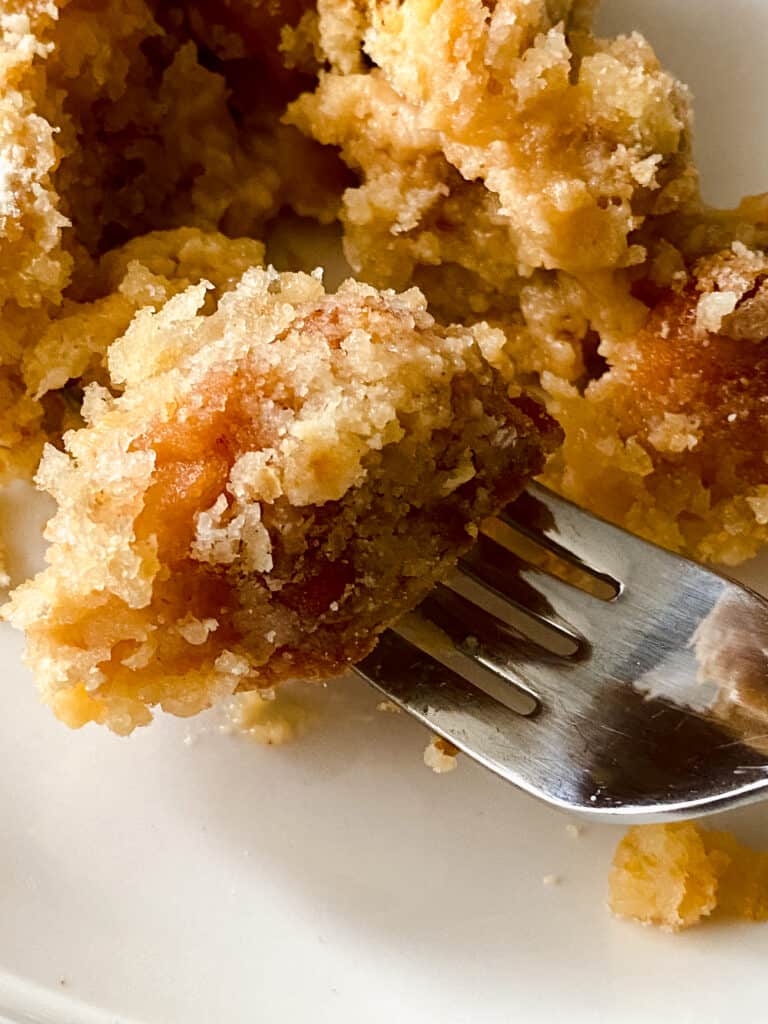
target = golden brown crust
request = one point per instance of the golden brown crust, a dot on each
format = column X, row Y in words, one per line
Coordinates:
column 500, row 139
column 279, row 480
column 115, row 124
column 669, row 437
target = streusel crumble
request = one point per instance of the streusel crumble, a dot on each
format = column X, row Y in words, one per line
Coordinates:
column 675, row 876
column 523, row 171
column 534, row 181
column 278, row 481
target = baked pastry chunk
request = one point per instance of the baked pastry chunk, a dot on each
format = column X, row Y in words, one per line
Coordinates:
column 278, row 481
column 117, row 122
column 492, row 140
column 522, row 170
column 676, row 875
column 668, row 437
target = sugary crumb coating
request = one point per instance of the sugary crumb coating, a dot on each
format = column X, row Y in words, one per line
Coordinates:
column 279, row 480
column 496, row 138
column 500, row 156
column 675, row 875
column 515, row 167
column 147, row 271
column 666, row 435
column 114, row 123
column 523, row 171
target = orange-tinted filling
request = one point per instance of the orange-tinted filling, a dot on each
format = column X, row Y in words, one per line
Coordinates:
column 194, row 457
column 720, row 381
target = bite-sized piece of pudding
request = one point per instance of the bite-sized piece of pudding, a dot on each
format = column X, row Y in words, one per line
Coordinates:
column 669, row 438
column 279, row 480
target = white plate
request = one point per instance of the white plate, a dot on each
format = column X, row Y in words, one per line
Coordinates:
column 338, row 880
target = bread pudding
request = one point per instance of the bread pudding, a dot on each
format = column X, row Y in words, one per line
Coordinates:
column 523, row 171
column 532, row 181
column 277, row 481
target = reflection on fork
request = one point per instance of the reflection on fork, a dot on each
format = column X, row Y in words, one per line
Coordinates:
column 603, row 674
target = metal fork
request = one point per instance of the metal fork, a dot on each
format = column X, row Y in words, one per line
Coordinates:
column 651, row 705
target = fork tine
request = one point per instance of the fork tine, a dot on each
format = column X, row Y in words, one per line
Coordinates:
column 439, row 698
column 521, row 663
column 594, row 545
column 578, row 761
column 542, row 596
column 436, row 637
column 540, row 630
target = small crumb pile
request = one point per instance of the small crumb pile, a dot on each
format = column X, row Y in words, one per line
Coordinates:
column 674, row 876
column 270, row 717
column 440, row 756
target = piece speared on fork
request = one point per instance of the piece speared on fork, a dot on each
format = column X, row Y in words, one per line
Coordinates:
column 605, row 676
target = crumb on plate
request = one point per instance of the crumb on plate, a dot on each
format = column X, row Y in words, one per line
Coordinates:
column 389, row 707
column 441, row 756
column 270, row 717
column 676, row 875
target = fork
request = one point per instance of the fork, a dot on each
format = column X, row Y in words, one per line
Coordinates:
column 643, row 697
